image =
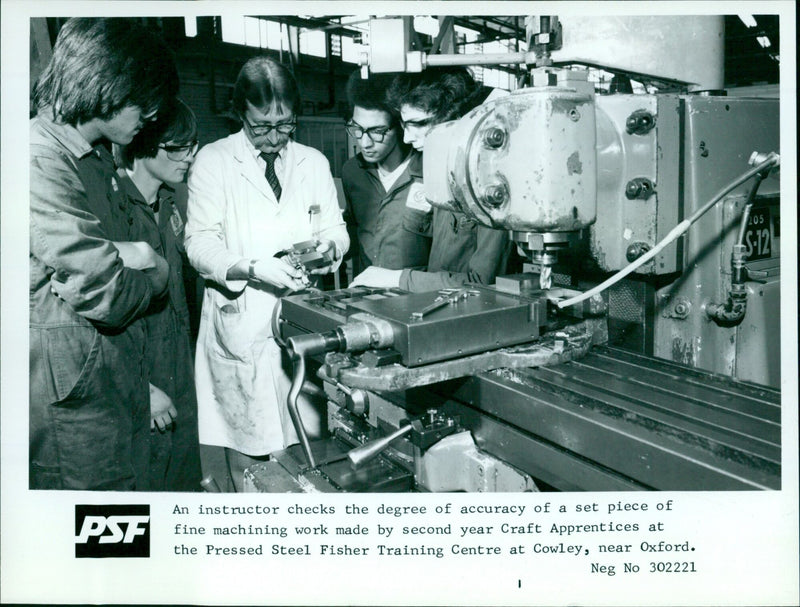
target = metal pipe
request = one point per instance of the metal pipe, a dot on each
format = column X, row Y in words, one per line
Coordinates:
column 474, row 59
column 772, row 161
column 749, row 205
column 733, row 311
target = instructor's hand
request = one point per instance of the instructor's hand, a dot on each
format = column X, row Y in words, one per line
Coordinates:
column 279, row 273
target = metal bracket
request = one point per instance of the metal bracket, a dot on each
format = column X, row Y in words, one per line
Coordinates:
column 569, row 343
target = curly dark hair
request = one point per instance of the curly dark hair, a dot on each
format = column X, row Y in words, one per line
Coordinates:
column 444, row 92
column 371, row 93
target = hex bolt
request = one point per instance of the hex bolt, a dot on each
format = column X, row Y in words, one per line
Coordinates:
column 495, row 195
column 636, row 250
column 681, row 309
column 640, row 122
column 640, row 187
column 633, row 189
column 494, row 137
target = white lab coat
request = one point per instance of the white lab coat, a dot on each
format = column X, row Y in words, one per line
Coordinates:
column 241, row 381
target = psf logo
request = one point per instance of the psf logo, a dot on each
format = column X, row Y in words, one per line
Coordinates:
column 113, row 530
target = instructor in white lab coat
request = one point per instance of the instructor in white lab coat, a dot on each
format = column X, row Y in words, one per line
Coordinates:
column 251, row 196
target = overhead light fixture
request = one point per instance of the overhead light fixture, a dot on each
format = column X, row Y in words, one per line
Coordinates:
column 748, row 20
column 764, row 41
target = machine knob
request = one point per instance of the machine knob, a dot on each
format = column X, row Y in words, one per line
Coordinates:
column 494, row 137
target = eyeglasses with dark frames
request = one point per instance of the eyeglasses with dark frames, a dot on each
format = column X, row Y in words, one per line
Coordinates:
column 376, row 133
column 262, row 130
column 180, row 152
column 416, row 124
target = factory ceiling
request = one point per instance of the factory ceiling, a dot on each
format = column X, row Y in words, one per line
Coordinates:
column 751, row 42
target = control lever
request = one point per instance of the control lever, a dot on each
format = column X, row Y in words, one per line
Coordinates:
column 368, row 451
column 426, row 430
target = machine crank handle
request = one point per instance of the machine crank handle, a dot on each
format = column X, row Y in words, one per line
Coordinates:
column 368, row 451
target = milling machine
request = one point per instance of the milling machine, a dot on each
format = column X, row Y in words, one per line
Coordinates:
column 641, row 348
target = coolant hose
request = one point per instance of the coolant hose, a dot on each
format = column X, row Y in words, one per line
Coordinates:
column 772, row 160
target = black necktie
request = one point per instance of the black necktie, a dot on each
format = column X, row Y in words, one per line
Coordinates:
column 272, row 178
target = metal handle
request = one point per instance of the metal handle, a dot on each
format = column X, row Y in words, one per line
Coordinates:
column 367, row 451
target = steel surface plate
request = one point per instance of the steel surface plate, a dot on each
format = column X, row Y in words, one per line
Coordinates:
column 481, row 320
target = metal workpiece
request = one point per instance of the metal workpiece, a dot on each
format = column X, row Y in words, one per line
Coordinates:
column 614, row 419
column 523, row 162
column 495, row 320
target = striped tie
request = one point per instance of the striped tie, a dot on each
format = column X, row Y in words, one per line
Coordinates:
column 272, row 178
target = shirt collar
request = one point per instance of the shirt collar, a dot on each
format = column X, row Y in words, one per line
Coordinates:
column 415, row 165
column 362, row 162
column 166, row 193
column 66, row 134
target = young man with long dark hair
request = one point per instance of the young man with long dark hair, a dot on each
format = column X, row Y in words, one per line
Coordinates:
column 89, row 394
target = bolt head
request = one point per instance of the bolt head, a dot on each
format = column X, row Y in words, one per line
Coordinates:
column 495, row 195
column 494, row 137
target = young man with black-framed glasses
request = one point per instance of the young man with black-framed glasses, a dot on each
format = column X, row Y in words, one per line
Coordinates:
column 386, row 211
column 152, row 175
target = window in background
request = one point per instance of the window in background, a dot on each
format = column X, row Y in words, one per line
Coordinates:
column 190, row 26
column 312, row 42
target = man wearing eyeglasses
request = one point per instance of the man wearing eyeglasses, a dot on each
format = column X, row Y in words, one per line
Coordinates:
column 462, row 251
column 252, row 195
column 153, row 168
column 386, row 211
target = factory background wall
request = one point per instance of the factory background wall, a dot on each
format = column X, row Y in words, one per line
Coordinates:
column 208, row 70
